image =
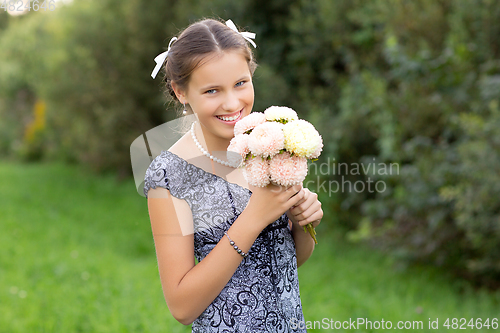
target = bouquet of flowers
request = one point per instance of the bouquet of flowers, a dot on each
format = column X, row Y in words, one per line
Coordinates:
column 273, row 147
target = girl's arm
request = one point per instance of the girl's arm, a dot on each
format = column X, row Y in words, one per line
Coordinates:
column 308, row 210
column 188, row 288
column 304, row 243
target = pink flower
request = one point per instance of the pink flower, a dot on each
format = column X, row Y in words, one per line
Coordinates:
column 256, row 171
column 249, row 122
column 238, row 149
column 266, row 139
column 287, row 170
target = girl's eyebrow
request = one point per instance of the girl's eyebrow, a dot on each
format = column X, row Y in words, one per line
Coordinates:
column 244, row 77
column 207, row 88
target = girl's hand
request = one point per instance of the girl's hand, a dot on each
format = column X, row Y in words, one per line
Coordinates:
column 307, row 210
column 268, row 203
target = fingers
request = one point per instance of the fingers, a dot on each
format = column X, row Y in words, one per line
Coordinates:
column 305, row 203
column 315, row 219
column 307, row 212
column 292, row 190
column 296, row 195
column 295, row 189
column 306, row 197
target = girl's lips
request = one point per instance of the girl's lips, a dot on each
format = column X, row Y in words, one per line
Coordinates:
column 232, row 122
column 230, row 115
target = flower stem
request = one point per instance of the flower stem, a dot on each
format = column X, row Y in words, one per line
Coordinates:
column 309, row 228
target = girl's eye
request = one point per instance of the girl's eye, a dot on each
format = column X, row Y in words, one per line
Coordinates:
column 239, row 84
column 211, row 91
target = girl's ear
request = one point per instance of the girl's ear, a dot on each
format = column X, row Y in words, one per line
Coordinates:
column 181, row 95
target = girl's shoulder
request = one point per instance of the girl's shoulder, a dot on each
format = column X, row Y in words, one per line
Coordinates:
column 157, row 173
column 165, row 170
column 175, row 170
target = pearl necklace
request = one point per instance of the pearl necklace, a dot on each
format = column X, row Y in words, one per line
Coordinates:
column 206, row 153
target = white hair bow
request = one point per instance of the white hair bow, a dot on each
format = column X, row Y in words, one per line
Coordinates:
column 160, row 58
column 247, row 35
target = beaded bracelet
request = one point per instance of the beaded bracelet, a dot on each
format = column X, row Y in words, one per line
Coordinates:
column 243, row 254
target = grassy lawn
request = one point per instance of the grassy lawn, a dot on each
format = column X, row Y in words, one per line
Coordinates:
column 78, row 256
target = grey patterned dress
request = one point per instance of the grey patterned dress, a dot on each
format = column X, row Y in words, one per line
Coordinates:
column 263, row 294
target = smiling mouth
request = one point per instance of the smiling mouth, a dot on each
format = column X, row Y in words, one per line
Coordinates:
column 234, row 117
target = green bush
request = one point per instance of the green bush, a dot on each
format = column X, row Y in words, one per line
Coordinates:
column 432, row 108
column 407, row 83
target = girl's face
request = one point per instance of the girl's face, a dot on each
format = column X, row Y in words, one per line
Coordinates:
column 221, row 89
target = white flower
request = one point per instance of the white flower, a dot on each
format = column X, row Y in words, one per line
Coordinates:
column 281, row 114
column 302, row 139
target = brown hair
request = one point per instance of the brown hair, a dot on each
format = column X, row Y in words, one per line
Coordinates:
column 193, row 45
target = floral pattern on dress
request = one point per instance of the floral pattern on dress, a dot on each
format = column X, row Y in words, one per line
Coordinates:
column 263, row 294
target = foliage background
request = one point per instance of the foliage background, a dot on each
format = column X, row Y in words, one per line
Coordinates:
column 415, row 83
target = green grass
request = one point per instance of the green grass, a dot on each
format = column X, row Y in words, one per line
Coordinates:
column 344, row 281
column 78, row 256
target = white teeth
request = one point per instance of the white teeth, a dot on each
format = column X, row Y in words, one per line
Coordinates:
column 229, row 118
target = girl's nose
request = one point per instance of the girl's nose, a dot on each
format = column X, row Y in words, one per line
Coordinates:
column 231, row 103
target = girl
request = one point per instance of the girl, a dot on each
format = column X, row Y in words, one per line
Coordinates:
column 248, row 241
